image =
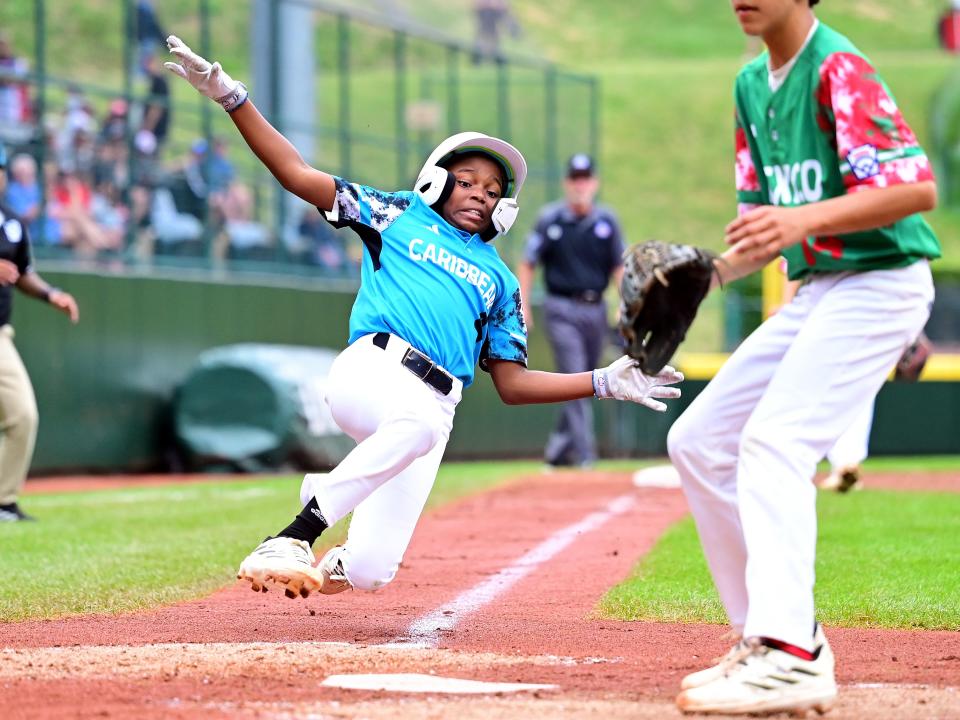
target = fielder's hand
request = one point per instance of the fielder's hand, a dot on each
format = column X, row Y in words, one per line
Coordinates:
column 210, row 80
column 623, row 380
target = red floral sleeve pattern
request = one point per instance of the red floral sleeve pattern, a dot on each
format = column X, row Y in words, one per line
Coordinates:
column 875, row 146
column 746, row 171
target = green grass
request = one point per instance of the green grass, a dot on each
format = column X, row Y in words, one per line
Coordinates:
column 884, row 559
column 120, row 550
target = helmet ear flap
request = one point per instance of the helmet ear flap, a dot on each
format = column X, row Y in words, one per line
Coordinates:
column 435, row 185
column 502, row 219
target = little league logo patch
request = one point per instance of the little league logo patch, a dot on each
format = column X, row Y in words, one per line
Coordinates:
column 863, row 161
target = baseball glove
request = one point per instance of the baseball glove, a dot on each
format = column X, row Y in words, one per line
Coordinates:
column 914, row 358
column 662, row 287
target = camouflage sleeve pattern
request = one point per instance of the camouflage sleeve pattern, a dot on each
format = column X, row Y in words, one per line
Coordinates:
column 355, row 203
column 875, row 146
column 506, row 332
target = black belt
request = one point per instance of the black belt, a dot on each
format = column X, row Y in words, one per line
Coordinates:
column 587, row 296
column 420, row 365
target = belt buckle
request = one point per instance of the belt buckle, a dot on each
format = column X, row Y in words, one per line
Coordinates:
column 590, row 296
column 413, row 354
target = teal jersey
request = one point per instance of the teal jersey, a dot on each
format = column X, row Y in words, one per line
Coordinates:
column 831, row 128
column 443, row 290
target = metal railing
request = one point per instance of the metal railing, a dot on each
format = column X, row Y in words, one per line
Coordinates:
column 384, row 93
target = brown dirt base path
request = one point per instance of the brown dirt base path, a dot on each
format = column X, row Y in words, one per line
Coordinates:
column 237, row 654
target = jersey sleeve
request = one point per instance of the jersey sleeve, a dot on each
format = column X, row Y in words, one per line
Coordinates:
column 18, row 235
column 617, row 243
column 875, row 146
column 356, row 204
column 506, row 331
column 533, row 251
column 24, row 258
column 749, row 192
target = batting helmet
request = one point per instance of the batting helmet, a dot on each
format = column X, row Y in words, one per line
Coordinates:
column 435, row 183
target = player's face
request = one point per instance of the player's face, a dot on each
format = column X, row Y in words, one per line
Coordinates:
column 478, row 187
column 759, row 17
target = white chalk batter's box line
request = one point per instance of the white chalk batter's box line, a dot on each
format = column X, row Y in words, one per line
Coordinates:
column 425, row 632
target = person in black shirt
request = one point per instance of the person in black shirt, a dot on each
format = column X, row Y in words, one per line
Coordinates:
column 580, row 246
column 18, row 407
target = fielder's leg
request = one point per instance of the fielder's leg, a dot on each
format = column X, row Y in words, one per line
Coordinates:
column 848, row 452
column 856, row 331
column 703, row 445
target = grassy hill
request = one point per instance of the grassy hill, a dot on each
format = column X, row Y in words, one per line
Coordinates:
column 666, row 68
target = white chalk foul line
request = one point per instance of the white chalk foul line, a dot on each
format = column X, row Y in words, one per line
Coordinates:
column 426, row 631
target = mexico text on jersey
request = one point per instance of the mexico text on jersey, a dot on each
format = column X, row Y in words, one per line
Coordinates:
column 831, row 128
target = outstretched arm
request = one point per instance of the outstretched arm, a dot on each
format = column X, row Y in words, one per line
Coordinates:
column 276, row 152
column 622, row 380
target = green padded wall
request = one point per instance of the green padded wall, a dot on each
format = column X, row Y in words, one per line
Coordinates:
column 104, row 386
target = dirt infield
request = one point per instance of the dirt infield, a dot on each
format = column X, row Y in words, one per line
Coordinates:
column 241, row 654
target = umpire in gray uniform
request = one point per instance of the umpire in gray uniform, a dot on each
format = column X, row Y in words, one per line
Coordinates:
column 580, row 247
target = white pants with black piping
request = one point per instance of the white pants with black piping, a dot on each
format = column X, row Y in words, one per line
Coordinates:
column 401, row 426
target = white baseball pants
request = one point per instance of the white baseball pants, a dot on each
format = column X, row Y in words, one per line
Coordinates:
column 401, row 425
column 852, row 446
column 747, row 447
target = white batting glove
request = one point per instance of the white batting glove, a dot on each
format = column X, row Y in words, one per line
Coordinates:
column 210, row 80
column 623, row 380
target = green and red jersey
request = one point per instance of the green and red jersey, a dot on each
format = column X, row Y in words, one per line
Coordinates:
column 831, row 128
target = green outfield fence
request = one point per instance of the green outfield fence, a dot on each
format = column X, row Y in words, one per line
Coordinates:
column 382, row 93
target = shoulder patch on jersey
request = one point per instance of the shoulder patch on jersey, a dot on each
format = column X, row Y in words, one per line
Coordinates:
column 13, row 230
column 603, row 229
column 864, row 162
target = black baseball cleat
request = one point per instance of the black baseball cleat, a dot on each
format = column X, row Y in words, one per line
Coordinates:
column 13, row 513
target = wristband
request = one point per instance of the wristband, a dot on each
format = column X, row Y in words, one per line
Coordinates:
column 48, row 292
column 600, row 387
column 234, row 99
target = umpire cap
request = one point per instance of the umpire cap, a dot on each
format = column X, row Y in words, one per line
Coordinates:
column 580, row 165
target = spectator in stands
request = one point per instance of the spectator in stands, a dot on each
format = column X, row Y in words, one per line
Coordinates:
column 152, row 134
column 219, row 170
column 322, row 245
column 25, row 198
column 150, row 36
column 245, row 237
column 110, row 214
column 491, row 16
column 114, row 127
column 74, row 141
column 189, row 186
column 111, row 164
column 16, row 113
column 71, row 199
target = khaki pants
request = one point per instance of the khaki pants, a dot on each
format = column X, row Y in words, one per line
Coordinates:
column 18, row 419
